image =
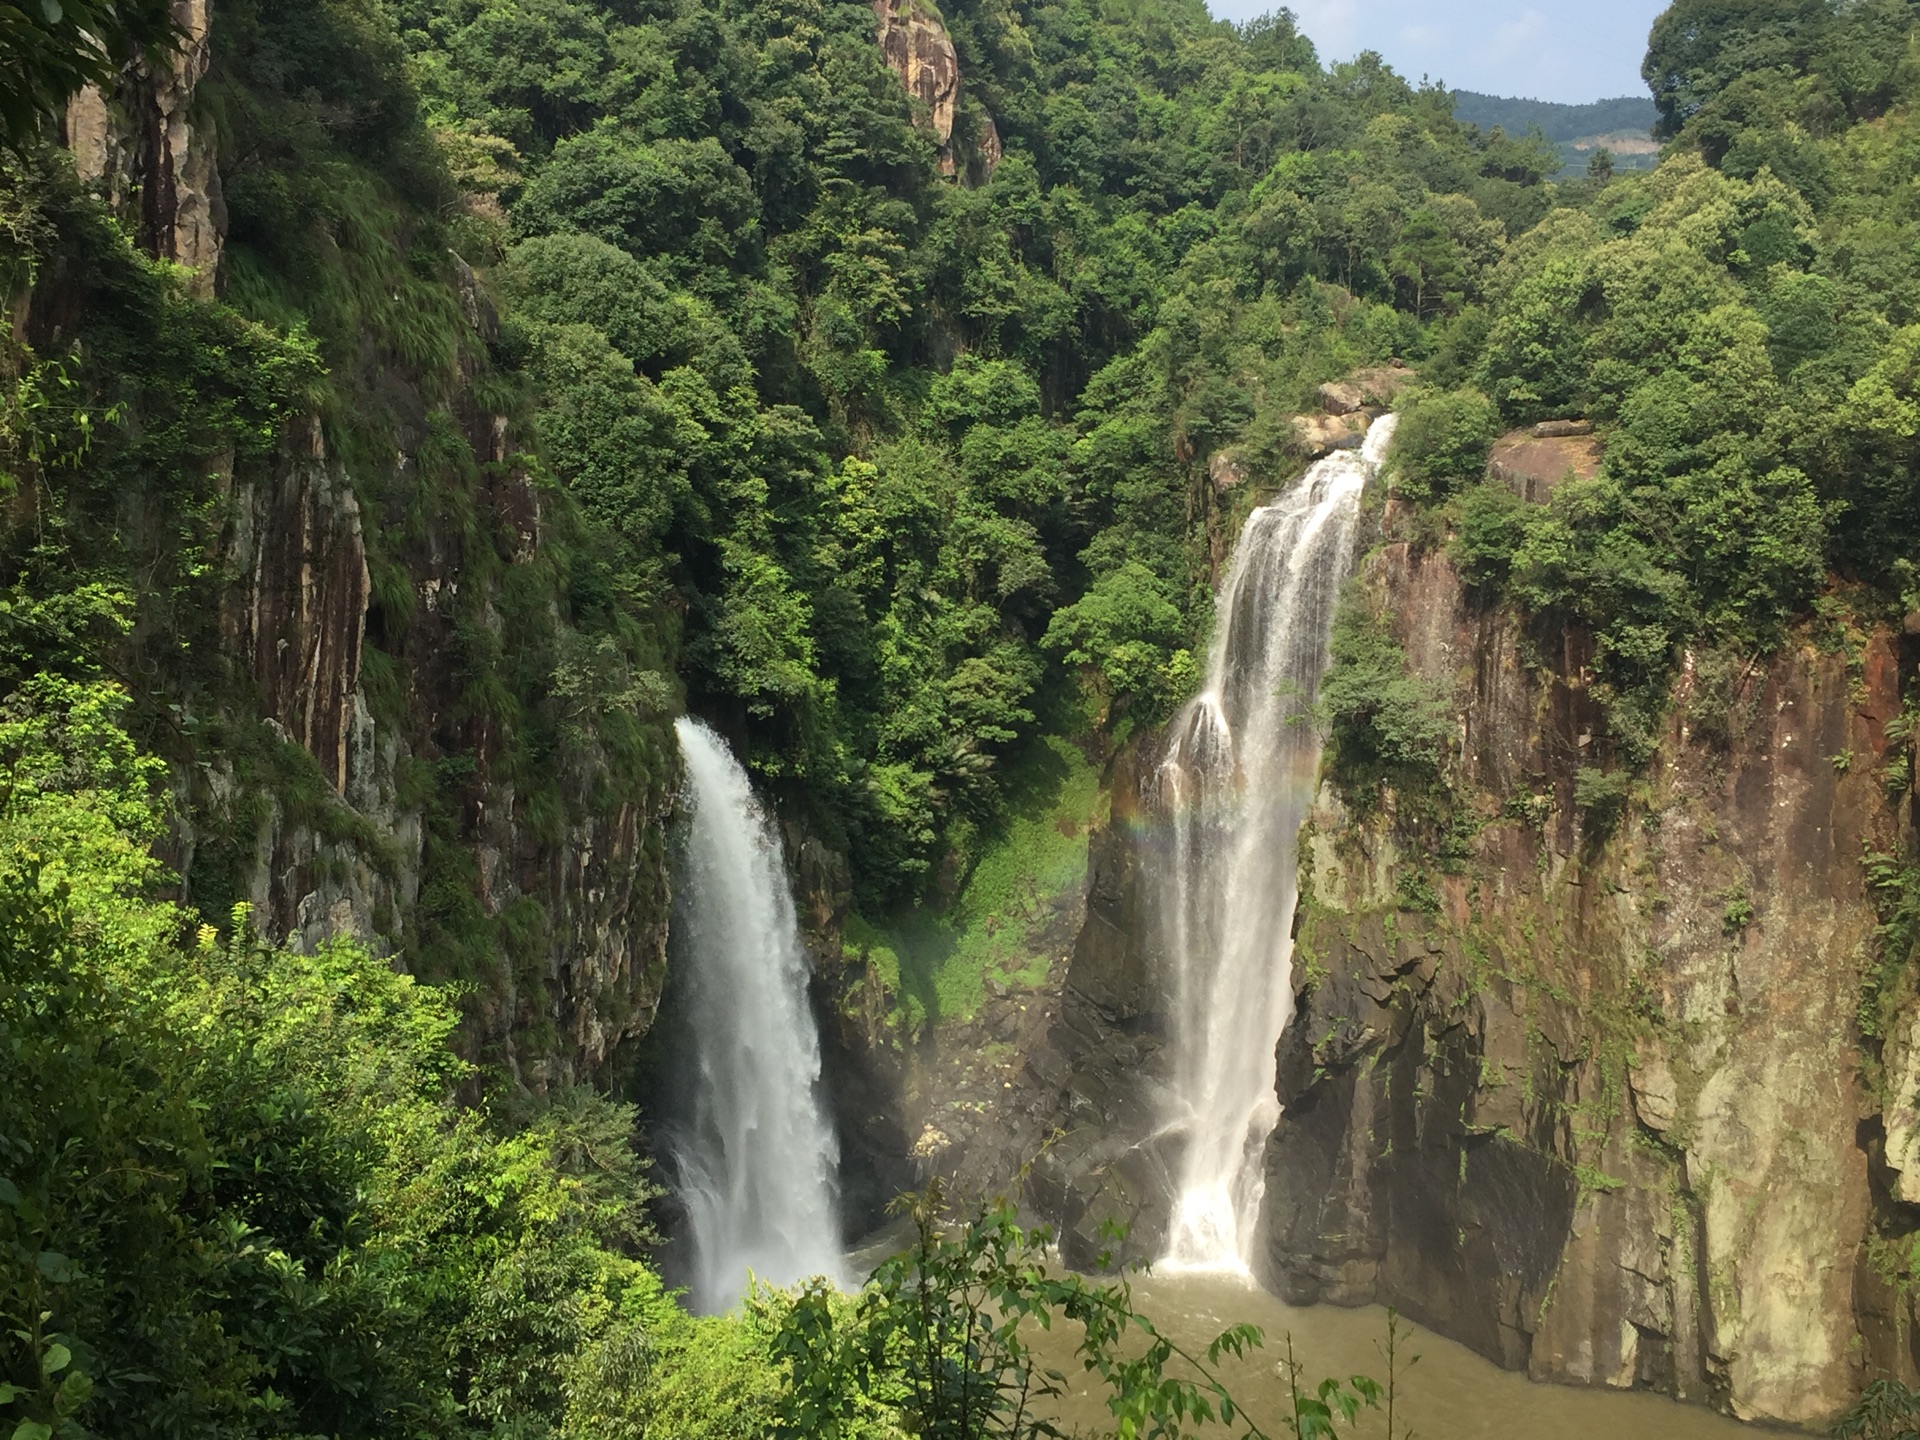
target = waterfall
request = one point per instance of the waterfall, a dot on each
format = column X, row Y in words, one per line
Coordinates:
column 1237, row 779
column 757, row 1163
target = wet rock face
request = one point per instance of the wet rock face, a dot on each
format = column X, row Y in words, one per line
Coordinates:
column 299, row 613
column 1598, row 1110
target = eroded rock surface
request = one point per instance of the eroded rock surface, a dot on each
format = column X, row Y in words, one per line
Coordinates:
column 153, row 155
column 1533, row 463
column 1597, row 1108
column 921, row 53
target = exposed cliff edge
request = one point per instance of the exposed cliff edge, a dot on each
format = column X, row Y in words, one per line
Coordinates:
column 919, row 50
column 1590, row 1095
column 379, row 726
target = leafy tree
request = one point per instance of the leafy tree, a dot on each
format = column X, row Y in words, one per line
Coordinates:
column 235, row 1195
column 1384, row 724
column 1698, row 46
column 1127, row 628
column 52, row 49
column 936, row 1344
column 1441, row 443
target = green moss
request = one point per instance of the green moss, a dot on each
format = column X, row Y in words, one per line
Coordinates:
column 938, row 964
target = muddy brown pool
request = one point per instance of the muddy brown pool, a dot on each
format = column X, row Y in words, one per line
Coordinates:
column 1451, row 1394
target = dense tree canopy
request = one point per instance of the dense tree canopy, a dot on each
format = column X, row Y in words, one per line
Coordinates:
column 900, row 474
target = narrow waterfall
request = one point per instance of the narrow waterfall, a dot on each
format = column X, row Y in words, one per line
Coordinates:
column 757, row 1162
column 1237, row 780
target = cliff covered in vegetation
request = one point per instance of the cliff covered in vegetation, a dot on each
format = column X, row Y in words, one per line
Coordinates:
column 1604, row 962
column 411, row 405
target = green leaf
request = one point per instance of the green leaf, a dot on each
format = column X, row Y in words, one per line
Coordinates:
column 32, row 1430
column 8, row 1393
column 75, row 1391
column 51, row 9
column 57, row 1358
column 9, row 1192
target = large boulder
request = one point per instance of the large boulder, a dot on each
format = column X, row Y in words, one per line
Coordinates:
column 1370, row 389
column 1319, row 435
column 1533, row 464
column 921, row 53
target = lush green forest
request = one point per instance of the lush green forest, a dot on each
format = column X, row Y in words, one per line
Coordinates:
column 1628, row 115
column 919, row 457
column 900, row 476
column 1557, row 122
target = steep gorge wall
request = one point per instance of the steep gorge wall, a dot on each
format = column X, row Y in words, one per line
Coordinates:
column 417, row 828
column 1590, row 1095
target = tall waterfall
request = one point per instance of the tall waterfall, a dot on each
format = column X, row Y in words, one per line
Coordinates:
column 1237, row 779
column 757, row 1164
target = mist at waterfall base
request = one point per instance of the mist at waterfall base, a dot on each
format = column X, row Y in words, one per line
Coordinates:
column 1236, row 781
column 753, row 1151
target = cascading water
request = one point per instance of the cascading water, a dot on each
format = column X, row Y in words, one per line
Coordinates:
column 757, row 1163
column 1237, row 779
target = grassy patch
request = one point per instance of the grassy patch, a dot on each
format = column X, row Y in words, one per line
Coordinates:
column 937, row 964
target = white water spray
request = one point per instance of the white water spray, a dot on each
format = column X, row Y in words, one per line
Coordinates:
column 757, row 1165
column 1237, row 780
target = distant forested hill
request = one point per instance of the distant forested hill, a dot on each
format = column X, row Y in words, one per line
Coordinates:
column 1559, row 123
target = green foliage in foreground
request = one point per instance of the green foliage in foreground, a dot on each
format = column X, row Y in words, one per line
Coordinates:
column 939, row 1345
column 236, row 1197
column 53, row 47
column 1887, row 1410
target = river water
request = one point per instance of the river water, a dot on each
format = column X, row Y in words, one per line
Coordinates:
column 1450, row 1394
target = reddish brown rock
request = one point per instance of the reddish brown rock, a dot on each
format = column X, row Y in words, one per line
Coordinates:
column 1627, row 1148
column 1533, row 465
column 300, row 616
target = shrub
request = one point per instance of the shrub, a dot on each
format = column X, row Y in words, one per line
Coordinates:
column 1601, row 796
column 1384, row 724
column 1442, row 443
column 1128, row 629
column 1491, row 529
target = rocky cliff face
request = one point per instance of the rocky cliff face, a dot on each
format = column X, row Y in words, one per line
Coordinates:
column 1590, row 1095
column 1578, row 1073
column 546, row 885
column 153, row 156
column 918, row 49
column 586, row 897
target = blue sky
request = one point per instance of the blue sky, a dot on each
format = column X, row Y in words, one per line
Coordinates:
column 1567, row 50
